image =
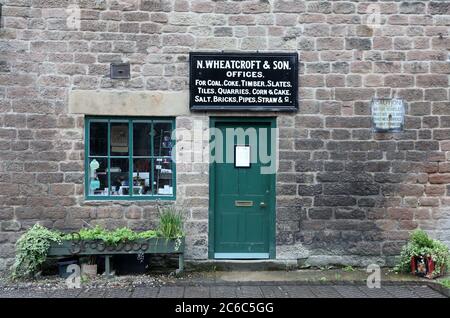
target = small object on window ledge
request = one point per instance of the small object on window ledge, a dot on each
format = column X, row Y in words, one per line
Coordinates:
column 167, row 190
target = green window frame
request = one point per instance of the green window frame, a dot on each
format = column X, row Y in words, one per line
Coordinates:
column 105, row 181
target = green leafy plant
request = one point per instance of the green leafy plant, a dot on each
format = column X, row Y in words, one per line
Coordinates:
column 110, row 237
column 348, row 269
column 148, row 234
column 420, row 244
column 95, row 233
column 445, row 282
column 32, row 247
column 170, row 224
column 119, row 235
column 31, row 250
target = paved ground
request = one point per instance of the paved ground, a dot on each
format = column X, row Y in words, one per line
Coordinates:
column 336, row 283
column 265, row 290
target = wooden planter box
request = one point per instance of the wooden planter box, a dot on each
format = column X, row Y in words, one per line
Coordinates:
column 425, row 268
column 148, row 246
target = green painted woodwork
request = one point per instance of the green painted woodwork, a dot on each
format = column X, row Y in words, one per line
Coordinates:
column 247, row 227
column 152, row 157
column 153, row 246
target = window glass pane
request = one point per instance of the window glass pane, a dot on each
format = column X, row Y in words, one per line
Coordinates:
column 141, row 139
column 142, row 177
column 119, row 139
column 163, row 176
column 162, row 139
column 119, row 177
column 98, row 135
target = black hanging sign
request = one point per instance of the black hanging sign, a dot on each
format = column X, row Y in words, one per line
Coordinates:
column 244, row 81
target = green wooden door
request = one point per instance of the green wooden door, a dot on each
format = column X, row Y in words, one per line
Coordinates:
column 243, row 200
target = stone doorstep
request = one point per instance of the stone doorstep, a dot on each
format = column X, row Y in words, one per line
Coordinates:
column 255, row 271
column 241, row 265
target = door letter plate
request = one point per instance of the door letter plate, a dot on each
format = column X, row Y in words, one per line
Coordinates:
column 243, row 203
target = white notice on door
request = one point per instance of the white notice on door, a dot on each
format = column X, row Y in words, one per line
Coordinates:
column 242, row 157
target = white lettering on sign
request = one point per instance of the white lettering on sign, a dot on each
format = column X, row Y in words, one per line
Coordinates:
column 388, row 114
column 242, row 64
column 239, row 80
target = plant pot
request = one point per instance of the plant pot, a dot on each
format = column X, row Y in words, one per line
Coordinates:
column 424, row 266
column 89, row 270
column 152, row 245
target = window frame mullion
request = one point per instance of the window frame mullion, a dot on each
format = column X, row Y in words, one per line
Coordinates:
column 109, row 160
column 152, row 161
column 130, row 157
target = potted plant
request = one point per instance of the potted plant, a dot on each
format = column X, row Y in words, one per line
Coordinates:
column 171, row 225
column 424, row 256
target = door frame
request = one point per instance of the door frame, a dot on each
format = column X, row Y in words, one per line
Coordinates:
column 211, row 213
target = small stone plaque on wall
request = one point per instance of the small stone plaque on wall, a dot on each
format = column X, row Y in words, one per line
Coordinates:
column 243, row 81
column 388, row 114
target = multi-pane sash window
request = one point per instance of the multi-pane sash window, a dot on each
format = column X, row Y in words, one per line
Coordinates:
column 129, row 159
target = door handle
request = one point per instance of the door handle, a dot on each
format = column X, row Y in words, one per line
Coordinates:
column 262, row 205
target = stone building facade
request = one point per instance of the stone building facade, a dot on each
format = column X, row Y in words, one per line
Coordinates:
column 344, row 194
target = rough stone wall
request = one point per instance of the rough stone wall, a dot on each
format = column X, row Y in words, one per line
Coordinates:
column 344, row 193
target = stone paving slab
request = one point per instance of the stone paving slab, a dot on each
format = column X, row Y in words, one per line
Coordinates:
column 145, row 292
column 325, row 292
column 275, row 290
column 298, row 291
column 249, row 292
column 223, row 292
column 350, row 292
column 374, row 292
column 197, row 292
column 171, row 292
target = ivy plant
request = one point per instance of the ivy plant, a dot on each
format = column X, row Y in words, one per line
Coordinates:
column 31, row 250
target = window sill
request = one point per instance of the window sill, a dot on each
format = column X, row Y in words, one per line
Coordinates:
column 129, row 199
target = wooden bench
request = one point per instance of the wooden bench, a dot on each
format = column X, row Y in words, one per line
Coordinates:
column 95, row 248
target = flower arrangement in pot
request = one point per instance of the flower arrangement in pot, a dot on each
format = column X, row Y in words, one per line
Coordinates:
column 423, row 256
